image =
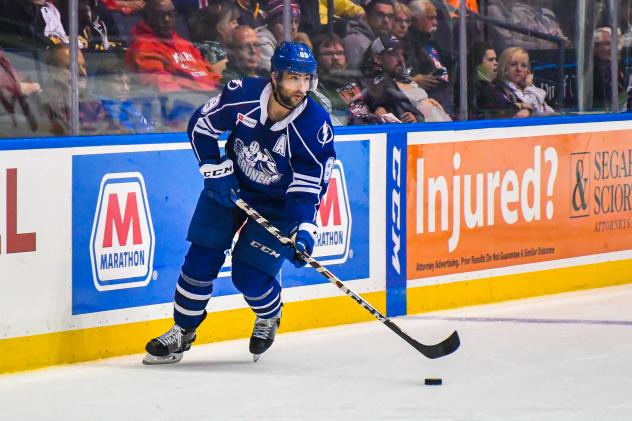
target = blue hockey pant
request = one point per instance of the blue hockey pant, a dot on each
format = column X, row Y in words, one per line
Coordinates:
column 256, row 259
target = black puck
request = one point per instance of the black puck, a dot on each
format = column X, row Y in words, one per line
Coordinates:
column 433, row 382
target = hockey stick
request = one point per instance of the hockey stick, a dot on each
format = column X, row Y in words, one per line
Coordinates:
column 447, row 346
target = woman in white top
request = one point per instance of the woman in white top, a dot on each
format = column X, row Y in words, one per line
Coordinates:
column 514, row 71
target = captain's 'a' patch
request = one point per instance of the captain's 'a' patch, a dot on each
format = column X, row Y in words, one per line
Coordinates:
column 280, row 145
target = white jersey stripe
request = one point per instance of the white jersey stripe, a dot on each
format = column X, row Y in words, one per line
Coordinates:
column 303, row 190
column 231, row 105
column 210, row 125
column 309, row 151
column 197, row 155
column 307, row 178
column 203, row 131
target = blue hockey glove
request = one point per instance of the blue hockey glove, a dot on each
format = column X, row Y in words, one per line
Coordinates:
column 220, row 182
column 304, row 237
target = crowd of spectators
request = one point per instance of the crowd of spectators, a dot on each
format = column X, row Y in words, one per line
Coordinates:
column 144, row 65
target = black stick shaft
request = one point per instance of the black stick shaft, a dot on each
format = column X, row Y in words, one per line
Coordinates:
column 446, row 347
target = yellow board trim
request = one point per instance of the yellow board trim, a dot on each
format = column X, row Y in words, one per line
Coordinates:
column 513, row 287
column 32, row 352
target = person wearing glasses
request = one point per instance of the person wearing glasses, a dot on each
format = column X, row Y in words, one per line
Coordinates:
column 244, row 55
column 403, row 20
column 161, row 58
column 378, row 21
column 344, row 96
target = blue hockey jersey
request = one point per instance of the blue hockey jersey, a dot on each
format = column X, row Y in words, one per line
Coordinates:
column 286, row 163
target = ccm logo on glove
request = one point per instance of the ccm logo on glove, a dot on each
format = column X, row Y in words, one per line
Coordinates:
column 217, row 170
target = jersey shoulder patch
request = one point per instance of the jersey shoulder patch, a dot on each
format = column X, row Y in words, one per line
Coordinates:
column 325, row 133
column 315, row 124
column 247, row 89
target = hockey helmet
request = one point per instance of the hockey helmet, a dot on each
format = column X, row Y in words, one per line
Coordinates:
column 295, row 57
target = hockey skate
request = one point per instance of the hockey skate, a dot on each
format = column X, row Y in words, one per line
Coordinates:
column 263, row 335
column 169, row 347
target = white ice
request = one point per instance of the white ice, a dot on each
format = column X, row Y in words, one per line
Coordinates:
column 562, row 357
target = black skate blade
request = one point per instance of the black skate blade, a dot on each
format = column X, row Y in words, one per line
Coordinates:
column 169, row 359
column 255, row 357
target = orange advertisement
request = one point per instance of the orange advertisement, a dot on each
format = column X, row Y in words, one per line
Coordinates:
column 485, row 204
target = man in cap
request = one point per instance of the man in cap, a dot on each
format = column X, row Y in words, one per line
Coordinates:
column 392, row 94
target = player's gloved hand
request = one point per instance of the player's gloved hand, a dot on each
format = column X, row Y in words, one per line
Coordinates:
column 304, row 237
column 220, row 182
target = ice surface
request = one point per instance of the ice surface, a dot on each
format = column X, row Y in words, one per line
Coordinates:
column 562, row 357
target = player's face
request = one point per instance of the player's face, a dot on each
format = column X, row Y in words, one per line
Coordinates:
column 293, row 87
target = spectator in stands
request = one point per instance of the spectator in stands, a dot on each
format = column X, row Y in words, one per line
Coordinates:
column 114, row 112
column 56, row 92
column 30, row 24
column 602, row 80
column 97, row 28
column 210, row 28
column 513, row 93
column 403, row 20
column 13, row 92
column 378, row 21
column 527, row 14
column 244, row 55
column 344, row 96
column 162, row 58
column 250, row 13
column 392, row 94
column 428, row 69
column 483, row 65
column 273, row 33
column 343, row 9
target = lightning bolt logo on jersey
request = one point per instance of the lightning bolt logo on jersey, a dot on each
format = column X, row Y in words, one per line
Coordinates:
column 282, row 163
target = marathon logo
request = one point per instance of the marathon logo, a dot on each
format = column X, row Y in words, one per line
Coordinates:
column 122, row 240
column 334, row 220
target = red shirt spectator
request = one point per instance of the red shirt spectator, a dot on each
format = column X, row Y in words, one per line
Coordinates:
column 162, row 58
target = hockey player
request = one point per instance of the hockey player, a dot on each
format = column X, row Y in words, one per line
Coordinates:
column 279, row 158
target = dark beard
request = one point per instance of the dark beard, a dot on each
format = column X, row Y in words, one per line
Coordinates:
column 286, row 101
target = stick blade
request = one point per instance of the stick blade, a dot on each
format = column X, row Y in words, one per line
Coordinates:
column 446, row 347
column 443, row 348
